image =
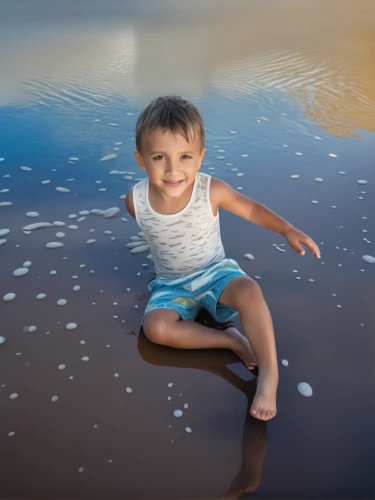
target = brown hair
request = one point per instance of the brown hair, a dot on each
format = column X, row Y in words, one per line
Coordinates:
column 170, row 113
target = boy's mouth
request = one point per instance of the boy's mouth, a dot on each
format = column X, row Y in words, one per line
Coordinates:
column 173, row 183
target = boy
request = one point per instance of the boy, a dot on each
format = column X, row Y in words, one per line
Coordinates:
column 177, row 208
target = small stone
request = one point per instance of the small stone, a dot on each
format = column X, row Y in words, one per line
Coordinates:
column 178, row 413
column 21, row 271
column 62, row 190
column 128, row 390
column 54, row 244
column 9, row 296
column 332, row 155
column 85, row 358
column 13, row 396
column 71, row 326
column 248, row 256
column 304, row 389
column 369, row 259
column 188, row 430
column 285, row 362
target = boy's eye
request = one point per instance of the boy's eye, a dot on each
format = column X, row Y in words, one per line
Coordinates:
column 158, row 157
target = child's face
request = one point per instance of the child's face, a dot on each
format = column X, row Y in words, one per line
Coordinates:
column 170, row 162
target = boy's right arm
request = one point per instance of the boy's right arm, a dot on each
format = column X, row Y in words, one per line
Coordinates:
column 129, row 203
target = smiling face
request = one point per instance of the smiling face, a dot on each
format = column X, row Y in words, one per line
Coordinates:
column 170, row 162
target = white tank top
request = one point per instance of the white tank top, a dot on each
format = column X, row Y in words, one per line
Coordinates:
column 185, row 242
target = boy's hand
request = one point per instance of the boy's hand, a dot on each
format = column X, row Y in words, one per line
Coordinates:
column 294, row 237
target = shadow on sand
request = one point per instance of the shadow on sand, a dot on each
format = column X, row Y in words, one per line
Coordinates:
column 254, row 438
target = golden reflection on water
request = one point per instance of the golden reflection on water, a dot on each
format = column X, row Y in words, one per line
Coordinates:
column 321, row 52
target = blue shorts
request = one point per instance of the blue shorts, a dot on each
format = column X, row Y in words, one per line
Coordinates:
column 199, row 290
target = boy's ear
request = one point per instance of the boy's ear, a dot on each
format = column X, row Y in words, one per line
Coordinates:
column 139, row 159
column 202, row 156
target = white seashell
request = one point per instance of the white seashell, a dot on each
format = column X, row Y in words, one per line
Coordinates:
column 21, row 271
column 71, row 326
column 62, row 190
column 32, row 214
column 143, row 248
column 4, row 232
column 369, row 259
column 54, row 244
column 248, row 256
column 37, row 225
column 9, row 296
column 304, row 389
column 108, row 157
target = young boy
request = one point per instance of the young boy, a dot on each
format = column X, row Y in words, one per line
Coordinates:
column 177, row 208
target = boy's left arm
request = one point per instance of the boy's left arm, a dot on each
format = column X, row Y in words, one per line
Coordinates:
column 222, row 195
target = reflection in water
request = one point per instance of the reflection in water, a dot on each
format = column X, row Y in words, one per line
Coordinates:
column 320, row 52
column 254, row 438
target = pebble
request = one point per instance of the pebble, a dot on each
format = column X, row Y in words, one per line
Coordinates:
column 332, row 155
column 59, row 223
column 31, row 329
column 188, row 430
column 61, row 302
column 304, row 389
column 178, row 413
column 90, row 241
column 298, row 154
column 85, row 358
column 248, row 256
column 72, row 226
column 21, row 271
column 60, row 235
column 9, row 296
column 84, row 212
column 140, row 249
column 54, row 244
column 54, row 398
column 37, row 225
column 32, row 214
column 46, row 182
column 129, row 390
column 284, row 362
column 369, row 259
column 13, row 396
column 41, row 296
column 62, row 190
column 170, row 384
column 5, row 203
column 108, row 157
column 295, row 176
column 71, row 326
column 362, row 182
column 53, row 272
column 76, row 288
column 26, row 169
column 26, row 264
column 2, row 241
column 72, row 216
column 4, row 232
column 111, row 212
column 319, row 179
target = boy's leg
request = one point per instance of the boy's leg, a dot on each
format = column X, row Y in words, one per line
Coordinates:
column 163, row 326
column 245, row 295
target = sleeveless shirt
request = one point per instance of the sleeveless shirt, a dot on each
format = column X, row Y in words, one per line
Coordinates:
column 185, row 242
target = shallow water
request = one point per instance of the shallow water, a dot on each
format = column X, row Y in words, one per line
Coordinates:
column 73, row 80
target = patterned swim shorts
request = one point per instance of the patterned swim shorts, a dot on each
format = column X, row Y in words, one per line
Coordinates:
column 199, row 290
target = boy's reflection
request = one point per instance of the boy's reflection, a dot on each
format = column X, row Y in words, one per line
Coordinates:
column 254, row 437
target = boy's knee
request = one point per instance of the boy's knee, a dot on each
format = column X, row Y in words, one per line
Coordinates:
column 246, row 291
column 157, row 325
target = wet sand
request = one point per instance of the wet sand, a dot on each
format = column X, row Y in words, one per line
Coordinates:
column 129, row 444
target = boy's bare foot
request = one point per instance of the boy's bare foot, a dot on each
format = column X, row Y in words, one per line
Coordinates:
column 264, row 403
column 242, row 348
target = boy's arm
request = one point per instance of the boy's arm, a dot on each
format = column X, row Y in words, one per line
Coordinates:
column 222, row 195
column 129, row 203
